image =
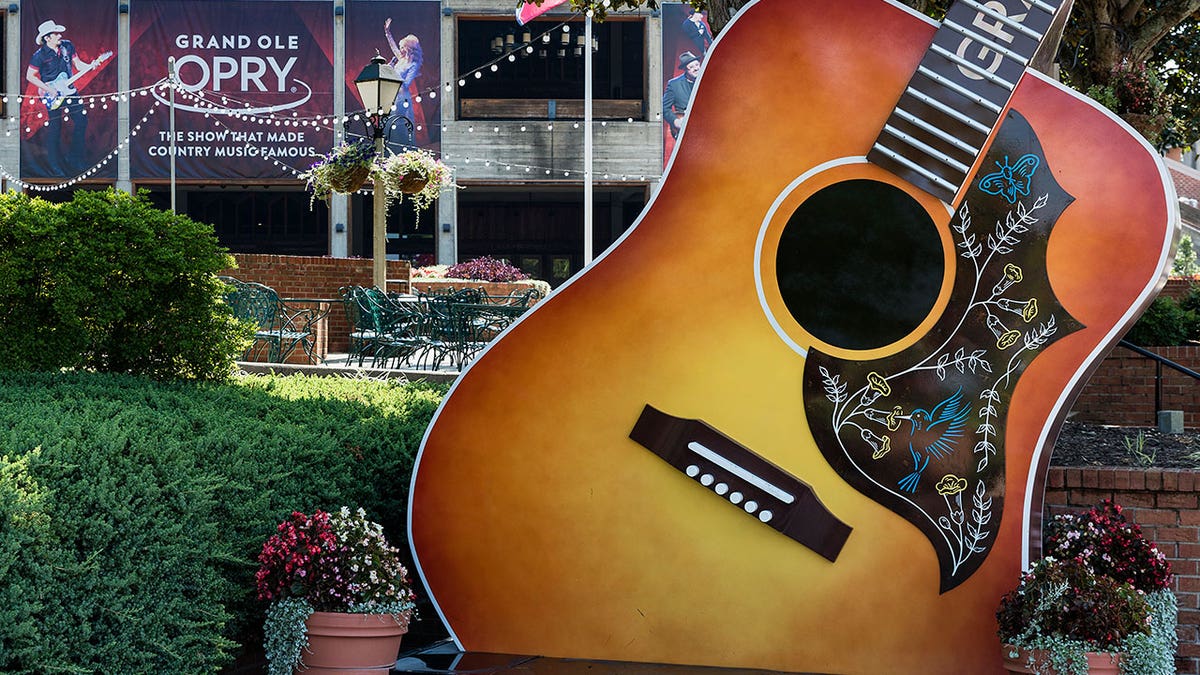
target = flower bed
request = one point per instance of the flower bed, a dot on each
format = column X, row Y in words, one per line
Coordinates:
column 439, row 286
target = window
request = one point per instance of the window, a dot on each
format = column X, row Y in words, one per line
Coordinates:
column 545, row 80
column 276, row 221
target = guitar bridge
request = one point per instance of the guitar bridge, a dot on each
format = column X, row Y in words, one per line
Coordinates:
column 742, row 478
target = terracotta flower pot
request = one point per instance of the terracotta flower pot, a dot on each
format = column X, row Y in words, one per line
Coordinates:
column 351, row 644
column 1016, row 660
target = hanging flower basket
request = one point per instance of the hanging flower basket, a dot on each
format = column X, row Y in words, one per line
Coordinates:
column 345, row 169
column 411, row 183
column 1149, row 126
column 417, row 174
column 348, row 179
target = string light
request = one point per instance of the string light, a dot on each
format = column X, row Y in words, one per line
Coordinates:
column 239, row 110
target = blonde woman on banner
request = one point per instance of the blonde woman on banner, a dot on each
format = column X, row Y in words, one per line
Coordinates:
column 407, row 59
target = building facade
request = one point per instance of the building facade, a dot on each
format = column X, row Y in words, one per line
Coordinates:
column 266, row 86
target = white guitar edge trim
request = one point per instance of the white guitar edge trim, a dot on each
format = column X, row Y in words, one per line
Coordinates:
column 646, row 209
column 762, row 233
column 1108, row 341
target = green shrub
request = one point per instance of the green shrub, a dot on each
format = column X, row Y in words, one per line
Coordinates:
column 1164, row 323
column 24, row 549
column 108, row 282
column 137, row 508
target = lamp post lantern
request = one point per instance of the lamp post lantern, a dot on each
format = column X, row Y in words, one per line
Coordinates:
column 378, row 84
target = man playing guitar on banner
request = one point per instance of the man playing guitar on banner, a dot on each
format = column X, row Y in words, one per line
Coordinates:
column 51, row 69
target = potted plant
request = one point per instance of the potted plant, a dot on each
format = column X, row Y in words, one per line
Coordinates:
column 1100, row 600
column 415, row 173
column 345, row 169
column 1138, row 96
column 340, row 597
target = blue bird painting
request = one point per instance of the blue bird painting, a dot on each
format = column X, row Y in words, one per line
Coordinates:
column 934, row 433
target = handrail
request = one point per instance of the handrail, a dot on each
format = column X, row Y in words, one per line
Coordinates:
column 1161, row 359
column 1159, row 362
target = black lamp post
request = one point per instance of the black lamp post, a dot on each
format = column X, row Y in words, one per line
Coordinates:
column 378, row 84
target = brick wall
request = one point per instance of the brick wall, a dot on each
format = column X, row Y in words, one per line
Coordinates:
column 1164, row 502
column 317, row 277
column 1177, row 287
column 1122, row 389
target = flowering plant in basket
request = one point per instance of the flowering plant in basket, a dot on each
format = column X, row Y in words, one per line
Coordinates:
column 1102, row 587
column 344, row 169
column 415, row 173
column 337, row 562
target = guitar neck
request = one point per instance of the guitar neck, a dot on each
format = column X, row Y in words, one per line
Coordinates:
column 84, row 70
column 954, row 100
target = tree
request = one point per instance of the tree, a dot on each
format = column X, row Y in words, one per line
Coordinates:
column 1106, row 40
column 1141, row 58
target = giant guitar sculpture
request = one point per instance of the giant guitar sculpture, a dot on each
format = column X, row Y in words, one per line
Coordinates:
column 799, row 416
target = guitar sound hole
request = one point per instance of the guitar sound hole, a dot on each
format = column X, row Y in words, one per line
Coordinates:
column 860, row 264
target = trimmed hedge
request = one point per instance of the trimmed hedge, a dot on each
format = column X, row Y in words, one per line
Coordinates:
column 1167, row 322
column 108, row 282
column 131, row 511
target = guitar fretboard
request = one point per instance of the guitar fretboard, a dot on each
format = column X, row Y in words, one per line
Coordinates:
column 962, row 85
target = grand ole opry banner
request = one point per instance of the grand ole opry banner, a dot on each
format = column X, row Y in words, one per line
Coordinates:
column 258, row 63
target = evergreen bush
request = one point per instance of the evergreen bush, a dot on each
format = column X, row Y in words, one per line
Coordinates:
column 1165, row 323
column 132, row 511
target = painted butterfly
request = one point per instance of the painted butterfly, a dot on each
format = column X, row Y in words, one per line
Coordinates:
column 1011, row 181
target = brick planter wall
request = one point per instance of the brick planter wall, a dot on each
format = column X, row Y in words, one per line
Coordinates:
column 317, row 277
column 434, row 286
column 1165, row 503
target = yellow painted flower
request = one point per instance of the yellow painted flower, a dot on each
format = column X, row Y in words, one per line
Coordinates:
column 878, row 383
column 951, row 485
column 1030, row 310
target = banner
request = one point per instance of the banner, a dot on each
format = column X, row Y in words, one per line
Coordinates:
column 408, row 34
column 528, row 11
column 686, row 38
column 66, row 129
column 265, row 69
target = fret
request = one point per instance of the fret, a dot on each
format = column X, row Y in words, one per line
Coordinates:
column 960, row 90
column 926, row 126
column 982, row 72
column 929, row 150
column 993, row 14
column 1049, row 9
column 942, row 107
column 932, row 177
column 973, row 35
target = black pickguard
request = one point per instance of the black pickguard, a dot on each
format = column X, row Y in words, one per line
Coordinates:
column 923, row 431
